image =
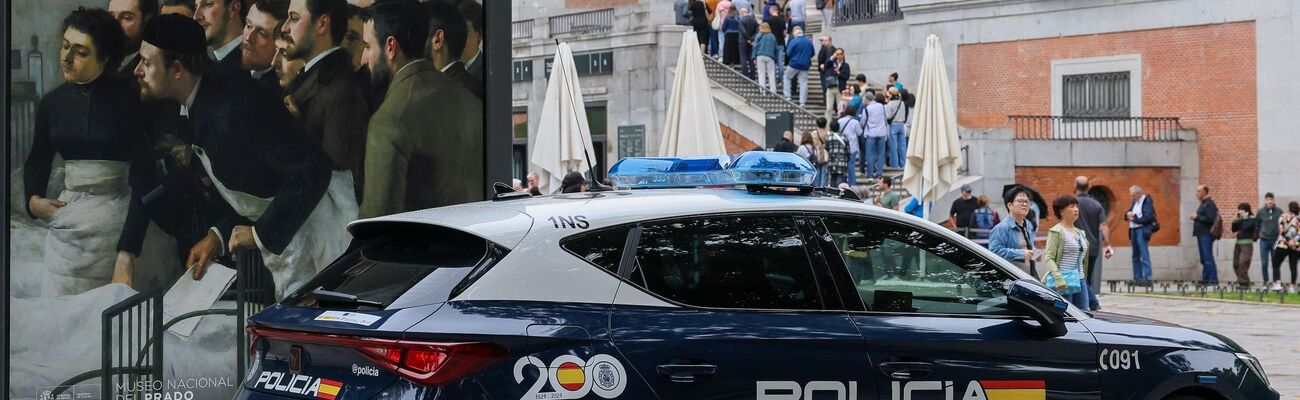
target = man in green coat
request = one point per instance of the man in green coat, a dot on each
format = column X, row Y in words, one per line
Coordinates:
column 424, row 146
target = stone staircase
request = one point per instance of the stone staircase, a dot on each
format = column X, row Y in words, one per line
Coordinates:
column 806, row 116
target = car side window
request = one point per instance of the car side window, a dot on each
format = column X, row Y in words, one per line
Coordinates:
column 898, row 269
column 602, row 248
column 741, row 262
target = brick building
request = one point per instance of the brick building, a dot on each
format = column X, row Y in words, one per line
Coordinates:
column 1161, row 94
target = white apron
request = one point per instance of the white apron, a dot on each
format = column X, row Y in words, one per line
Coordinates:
column 321, row 239
column 80, row 246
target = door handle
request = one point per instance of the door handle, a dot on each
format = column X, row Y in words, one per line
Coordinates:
column 906, row 369
column 687, row 373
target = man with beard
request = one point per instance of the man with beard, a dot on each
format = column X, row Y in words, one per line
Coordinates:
column 258, row 50
column 131, row 15
column 223, row 22
column 425, row 143
column 353, row 43
column 272, row 179
column 447, row 42
column 327, row 94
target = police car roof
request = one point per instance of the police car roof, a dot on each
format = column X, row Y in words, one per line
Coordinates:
column 508, row 222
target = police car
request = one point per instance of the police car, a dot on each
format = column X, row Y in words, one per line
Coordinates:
column 765, row 288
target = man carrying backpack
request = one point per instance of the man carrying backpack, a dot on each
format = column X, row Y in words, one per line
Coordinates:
column 1092, row 221
column 1207, row 227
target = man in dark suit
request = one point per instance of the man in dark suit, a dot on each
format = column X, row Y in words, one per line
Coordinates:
column 1141, row 218
column 261, row 28
column 472, row 54
column 251, row 149
column 327, row 96
column 131, row 15
column 223, row 26
column 425, row 143
column 447, row 42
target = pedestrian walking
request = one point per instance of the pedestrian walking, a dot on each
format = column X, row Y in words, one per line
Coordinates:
column 829, row 79
column 1268, row 216
column 786, row 145
column 819, row 144
column 1013, row 238
column 1092, row 220
column 877, row 133
column 800, row 50
column 1205, row 222
column 777, row 25
column 959, row 215
column 807, row 149
column 1246, row 227
column 1067, row 247
column 1142, row 223
column 852, row 130
column 982, row 220
column 837, row 156
column 731, row 39
column 700, row 22
column 896, row 116
column 714, row 21
column 1288, row 245
column 573, row 182
column 748, row 29
column 828, row 14
column 798, row 14
column 765, row 57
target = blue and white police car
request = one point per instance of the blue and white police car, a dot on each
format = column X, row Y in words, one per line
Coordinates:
column 674, row 288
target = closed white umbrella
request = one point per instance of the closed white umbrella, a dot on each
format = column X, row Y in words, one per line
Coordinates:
column 563, row 141
column 933, row 152
column 692, row 126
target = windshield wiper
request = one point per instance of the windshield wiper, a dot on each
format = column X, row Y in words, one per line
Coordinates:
column 337, row 297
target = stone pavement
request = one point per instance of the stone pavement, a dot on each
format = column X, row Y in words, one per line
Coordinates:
column 1270, row 332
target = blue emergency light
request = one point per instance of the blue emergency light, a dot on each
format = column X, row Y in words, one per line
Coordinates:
column 753, row 169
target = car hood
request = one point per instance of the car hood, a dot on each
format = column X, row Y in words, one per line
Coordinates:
column 1127, row 330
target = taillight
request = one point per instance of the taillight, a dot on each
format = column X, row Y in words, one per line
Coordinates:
column 430, row 363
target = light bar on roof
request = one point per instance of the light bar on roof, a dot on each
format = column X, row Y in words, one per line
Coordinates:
column 755, row 168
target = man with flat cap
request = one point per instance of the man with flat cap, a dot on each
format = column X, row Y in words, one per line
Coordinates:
column 276, row 186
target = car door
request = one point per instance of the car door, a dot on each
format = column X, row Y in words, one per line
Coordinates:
column 751, row 316
column 937, row 323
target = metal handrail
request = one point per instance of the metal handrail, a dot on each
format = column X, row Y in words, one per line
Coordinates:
column 852, row 12
column 1057, row 127
column 733, row 74
column 601, row 20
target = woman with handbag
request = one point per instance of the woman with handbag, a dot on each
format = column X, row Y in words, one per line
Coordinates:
column 1067, row 248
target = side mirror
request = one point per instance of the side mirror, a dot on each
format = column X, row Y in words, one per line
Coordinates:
column 1039, row 303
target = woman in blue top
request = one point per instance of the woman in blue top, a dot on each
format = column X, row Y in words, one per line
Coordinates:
column 765, row 57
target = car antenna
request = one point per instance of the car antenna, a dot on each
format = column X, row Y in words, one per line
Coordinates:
column 595, row 186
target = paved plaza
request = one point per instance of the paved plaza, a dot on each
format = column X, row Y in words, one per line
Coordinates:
column 1267, row 331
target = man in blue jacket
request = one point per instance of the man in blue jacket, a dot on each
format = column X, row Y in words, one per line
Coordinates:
column 1141, row 218
column 799, row 50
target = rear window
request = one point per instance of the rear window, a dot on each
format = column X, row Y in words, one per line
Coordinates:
column 399, row 269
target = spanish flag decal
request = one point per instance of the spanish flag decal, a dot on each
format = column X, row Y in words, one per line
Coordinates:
column 329, row 389
column 570, row 376
column 1014, row 390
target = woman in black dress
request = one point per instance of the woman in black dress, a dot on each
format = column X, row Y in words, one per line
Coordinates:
column 93, row 121
column 700, row 22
